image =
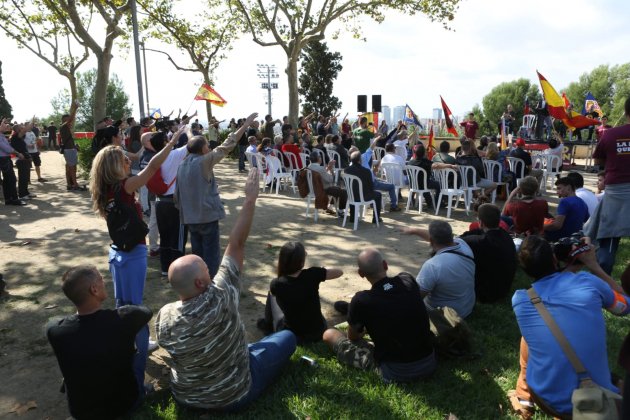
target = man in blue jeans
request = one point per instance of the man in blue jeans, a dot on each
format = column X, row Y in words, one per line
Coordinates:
column 197, row 195
column 212, row 365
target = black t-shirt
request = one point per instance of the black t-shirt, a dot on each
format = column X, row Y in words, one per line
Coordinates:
column 495, row 263
column 52, row 132
column 393, row 314
column 423, row 163
column 298, row 297
column 475, row 162
column 522, row 154
column 95, row 354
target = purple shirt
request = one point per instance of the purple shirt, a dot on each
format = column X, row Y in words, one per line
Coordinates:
column 5, row 147
column 614, row 148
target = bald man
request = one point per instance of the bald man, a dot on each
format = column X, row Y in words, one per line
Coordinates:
column 212, row 365
column 393, row 314
column 95, row 349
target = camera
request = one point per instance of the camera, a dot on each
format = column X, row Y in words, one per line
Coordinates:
column 563, row 247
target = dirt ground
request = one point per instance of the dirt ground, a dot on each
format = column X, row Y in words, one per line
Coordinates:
column 58, row 230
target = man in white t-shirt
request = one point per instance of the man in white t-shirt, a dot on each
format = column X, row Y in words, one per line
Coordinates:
column 31, row 139
column 587, row 196
column 448, row 278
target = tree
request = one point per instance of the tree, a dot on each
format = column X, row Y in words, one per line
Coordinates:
column 293, row 25
column 509, row 93
column 5, row 107
column 205, row 42
column 320, row 68
column 34, row 27
column 116, row 100
column 76, row 17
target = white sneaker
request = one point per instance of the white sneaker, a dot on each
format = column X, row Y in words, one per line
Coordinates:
column 153, row 345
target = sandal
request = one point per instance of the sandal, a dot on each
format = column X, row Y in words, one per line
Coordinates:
column 524, row 411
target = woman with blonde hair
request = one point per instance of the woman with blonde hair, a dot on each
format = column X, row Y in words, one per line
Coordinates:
column 111, row 182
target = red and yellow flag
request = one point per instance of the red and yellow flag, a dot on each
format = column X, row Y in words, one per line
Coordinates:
column 206, row 93
column 558, row 108
column 430, row 147
column 372, row 117
column 448, row 119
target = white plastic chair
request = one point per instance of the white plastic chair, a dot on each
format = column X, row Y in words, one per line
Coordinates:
column 394, row 175
column 494, row 172
column 306, row 159
column 357, row 202
column 402, row 152
column 528, row 124
column 293, row 166
column 552, row 164
column 443, row 176
column 277, row 153
column 276, row 175
column 415, row 187
column 517, row 166
column 251, row 159
column 377, row 155
column 337, row 168
column 469, row 183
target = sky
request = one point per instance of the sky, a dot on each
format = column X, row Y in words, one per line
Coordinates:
column 406, row 59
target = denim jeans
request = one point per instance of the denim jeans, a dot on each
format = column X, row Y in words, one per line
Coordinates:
column 266, row 358
column 606, row 253
column 129, row 272
column 204, row 239
column 390, row 188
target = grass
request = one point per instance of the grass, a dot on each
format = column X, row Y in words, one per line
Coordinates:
column 469, row 389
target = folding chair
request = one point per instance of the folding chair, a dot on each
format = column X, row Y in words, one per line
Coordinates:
column 494, row 172
column 349, row 181
column 443, row 176
column 415, row 187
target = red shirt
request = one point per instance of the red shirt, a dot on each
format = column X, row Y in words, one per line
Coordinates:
column 292, row 148
column 528, row 217
column 470, row 128
column 614, row 148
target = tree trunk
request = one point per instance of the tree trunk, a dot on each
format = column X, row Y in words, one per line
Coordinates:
column 100, row 87
column 74, row 95
column 206, row 79
column 294, row 100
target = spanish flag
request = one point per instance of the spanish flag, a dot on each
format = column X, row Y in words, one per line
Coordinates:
column 430, row 147
column 206, row 93
column 556, row 106
column 372, row 117
column 448, row 119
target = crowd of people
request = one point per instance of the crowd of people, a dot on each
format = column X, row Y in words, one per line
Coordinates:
column 213, row 367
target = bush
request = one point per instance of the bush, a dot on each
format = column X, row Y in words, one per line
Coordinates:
column 86, row 156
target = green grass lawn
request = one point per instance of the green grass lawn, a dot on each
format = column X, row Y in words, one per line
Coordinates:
column 469, row 389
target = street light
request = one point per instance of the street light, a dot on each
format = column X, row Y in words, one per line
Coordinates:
column 268, row 72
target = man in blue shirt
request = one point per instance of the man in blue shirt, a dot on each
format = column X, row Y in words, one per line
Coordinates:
column 572, row 212
column 575, row 300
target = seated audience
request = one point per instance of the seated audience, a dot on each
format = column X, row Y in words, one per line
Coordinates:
column 293, row 302
column 495, row 256
column 366, row 176
column 212, row 366
column 575, row 300
column 419, row 159
column 447, row 278
column 95, row 348
column 328, row 180
column 343, row 152
column 572, row 212
column 520, row 153
column 469, row 157
column 442, row 156
column 391, row 156
column 586, row 195
column 527, row 212
column 395, row 318
column 504, row 222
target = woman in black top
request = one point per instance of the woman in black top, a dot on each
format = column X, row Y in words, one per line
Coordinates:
column 293, row 302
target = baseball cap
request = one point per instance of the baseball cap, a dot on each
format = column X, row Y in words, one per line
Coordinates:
column 520, row 142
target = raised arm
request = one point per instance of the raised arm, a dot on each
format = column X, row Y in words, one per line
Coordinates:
column 510, row 198
column 236, row 245
column 423, row 233
column 333, row 273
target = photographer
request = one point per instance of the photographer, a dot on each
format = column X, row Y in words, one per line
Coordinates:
column 574, row 299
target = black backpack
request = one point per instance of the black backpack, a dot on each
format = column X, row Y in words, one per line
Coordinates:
column 125, row 227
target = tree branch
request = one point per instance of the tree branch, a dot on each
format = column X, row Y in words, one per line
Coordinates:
column 252, row 29
column 71, row 8
column 171, row 60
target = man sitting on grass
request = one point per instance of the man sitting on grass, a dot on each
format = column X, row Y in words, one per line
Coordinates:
column 212, row 366
column 393, row 314
column 95, row 348
column 575, row 300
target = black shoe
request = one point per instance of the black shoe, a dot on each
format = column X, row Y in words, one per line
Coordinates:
column 394, row 209
column 341, row 306
column 15, row 203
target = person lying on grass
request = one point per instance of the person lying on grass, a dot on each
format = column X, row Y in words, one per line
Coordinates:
column 293, row 301
column 393, row 314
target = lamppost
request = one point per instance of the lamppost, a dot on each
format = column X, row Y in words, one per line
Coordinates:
column 268, row 72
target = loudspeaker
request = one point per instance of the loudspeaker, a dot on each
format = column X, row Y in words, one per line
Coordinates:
column 362, row 103
column 376, row 103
